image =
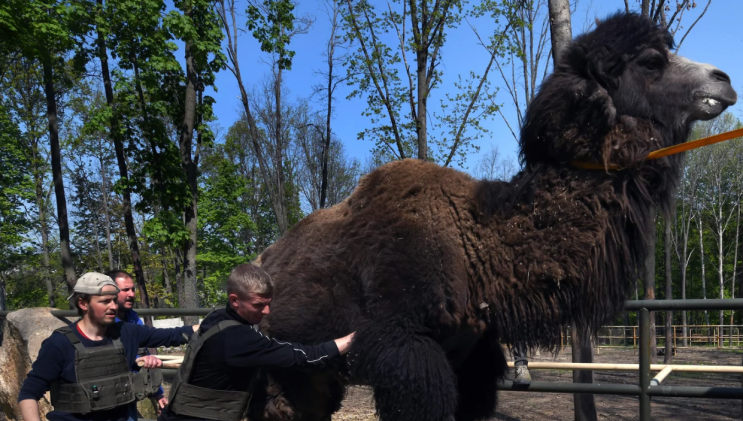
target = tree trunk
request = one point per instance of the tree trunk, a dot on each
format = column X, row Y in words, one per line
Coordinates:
column 43, row 228
column 735, row 269
column 123, row 173
column 649, row 279
column 422, row 61
column 326, row 146
column 106, row 213
column 275, row 194
column 704, row 277
column 669, row 290
column 720, row 268
column 59, row 193
column 560, row 29
column 584, row 404
column 190, row 294
column 178, row 276
column 166, row 277
column 282, row 219
column 683, row 265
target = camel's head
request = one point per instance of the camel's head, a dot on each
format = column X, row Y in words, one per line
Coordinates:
column 618, row 93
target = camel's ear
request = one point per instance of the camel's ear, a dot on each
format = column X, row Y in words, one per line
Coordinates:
column 604, row 69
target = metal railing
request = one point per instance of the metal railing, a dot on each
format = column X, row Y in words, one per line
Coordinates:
column 643, row 389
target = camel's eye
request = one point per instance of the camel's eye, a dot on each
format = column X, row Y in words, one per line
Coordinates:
column 653, row 62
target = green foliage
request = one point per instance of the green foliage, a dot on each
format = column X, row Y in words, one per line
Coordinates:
column 17, row 192
column 270, row 24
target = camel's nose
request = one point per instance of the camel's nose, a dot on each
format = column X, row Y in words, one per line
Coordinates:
column 720, row 75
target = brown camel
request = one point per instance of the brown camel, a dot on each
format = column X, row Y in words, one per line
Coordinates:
column 433, row 268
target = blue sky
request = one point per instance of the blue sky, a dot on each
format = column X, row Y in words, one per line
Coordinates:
column 716, row 39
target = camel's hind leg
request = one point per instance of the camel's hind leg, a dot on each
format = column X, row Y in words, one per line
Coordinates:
column 410, row 374
column 477, row 379
column 292, row 395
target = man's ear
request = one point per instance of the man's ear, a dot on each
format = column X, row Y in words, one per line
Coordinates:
column 84, row 305
column 232, row 299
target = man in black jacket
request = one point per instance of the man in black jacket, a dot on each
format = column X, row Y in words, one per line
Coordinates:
column 87, row 365
column 215, row 379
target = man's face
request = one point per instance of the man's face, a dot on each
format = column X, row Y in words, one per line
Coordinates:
column 127, row 293
column 101, row 309
column 251, row 307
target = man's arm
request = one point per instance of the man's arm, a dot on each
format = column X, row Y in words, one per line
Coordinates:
column 152, row 337
column 30, row 410
column 46, row 369
column 244, row 347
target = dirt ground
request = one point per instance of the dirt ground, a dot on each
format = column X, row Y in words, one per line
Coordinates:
column 532, row 406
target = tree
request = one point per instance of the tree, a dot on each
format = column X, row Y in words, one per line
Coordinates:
column 332, row 80
column 17, row 190
column 323, row 169
column 272, row 24
column 51, row 33
column 494, row 167
column 198, row 27
column 721, row 181
column 399, row 110
column 686, row 204
column 115, row 132
column 25, row 96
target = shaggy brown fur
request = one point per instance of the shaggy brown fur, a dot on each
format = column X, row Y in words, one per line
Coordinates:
column 432, row 267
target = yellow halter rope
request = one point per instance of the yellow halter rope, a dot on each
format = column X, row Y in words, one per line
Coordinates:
column 671, row 150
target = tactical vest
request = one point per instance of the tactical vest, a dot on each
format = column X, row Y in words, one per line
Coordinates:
column 199, row 402
column 103, row 378
column 147, row 381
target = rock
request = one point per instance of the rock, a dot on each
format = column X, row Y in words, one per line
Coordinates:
column 35, row 325
column 23, row 332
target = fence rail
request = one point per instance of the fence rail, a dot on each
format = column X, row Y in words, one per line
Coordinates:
column 643, row 389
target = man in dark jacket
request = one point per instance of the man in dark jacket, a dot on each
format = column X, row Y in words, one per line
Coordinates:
column 87, row 365
column 215, row 379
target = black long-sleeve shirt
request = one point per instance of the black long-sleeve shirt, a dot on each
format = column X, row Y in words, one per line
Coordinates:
column 56, row 362
column 229, row 359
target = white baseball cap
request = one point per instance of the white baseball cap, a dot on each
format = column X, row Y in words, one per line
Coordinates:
column 92, row 283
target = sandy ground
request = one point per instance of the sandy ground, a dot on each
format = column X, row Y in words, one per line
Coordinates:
column 524, row 406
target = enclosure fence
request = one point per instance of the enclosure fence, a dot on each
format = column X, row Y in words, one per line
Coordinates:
column 644, row 389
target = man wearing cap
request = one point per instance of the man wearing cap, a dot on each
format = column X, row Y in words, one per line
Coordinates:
column 151, row 379
column 87, row 365
column 222, row 359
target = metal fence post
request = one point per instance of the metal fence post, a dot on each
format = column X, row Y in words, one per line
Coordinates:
column 644, row 364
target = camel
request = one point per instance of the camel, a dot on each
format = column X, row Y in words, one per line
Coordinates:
column 434, row 269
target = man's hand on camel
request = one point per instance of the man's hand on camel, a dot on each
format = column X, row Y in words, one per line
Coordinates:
column 344, row 343
column 149, row 361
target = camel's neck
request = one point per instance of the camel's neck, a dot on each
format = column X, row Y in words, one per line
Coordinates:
column 569, row 244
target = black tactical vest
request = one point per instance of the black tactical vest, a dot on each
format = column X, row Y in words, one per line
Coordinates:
column 103, row 378
column 147, row 381
column 199, row 402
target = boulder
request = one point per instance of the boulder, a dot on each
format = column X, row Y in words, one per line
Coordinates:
column 23, row 332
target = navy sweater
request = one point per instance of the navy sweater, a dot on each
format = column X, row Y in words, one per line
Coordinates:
column 229, row 359
column 56, row 362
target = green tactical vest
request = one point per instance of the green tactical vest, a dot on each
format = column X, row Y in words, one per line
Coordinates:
column 199, row 402
column 103, row 378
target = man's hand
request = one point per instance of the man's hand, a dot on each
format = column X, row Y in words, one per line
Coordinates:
column 344, row 343
column 149, row 361
column 195, row 328
column 162, row 402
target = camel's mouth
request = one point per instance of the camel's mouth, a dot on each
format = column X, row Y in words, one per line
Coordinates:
column 707, row 106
